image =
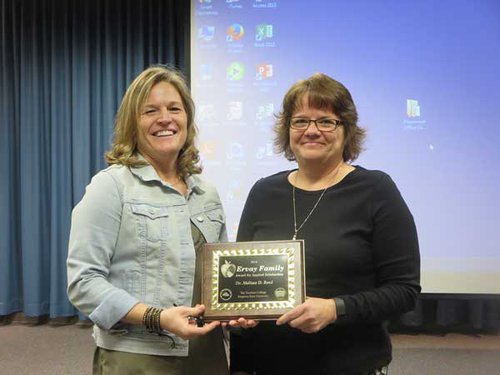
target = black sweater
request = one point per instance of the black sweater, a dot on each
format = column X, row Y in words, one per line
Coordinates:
column 360, row 245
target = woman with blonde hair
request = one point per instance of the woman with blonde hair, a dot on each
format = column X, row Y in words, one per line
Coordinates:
column 136, row 234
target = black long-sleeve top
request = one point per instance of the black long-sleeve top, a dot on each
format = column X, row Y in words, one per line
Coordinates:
column 361, row 246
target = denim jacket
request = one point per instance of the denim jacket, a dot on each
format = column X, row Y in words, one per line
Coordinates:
column 131, row 242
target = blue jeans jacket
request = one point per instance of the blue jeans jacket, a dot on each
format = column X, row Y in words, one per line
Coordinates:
column 131, row 242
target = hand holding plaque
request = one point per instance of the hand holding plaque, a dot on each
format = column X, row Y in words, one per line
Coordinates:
column 253, row 280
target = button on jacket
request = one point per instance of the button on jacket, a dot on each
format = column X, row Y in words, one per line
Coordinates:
column 131, row 242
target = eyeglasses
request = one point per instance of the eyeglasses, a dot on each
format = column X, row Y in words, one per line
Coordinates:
column 323, row 124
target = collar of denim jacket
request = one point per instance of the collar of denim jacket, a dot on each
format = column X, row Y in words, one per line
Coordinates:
column 148, row 173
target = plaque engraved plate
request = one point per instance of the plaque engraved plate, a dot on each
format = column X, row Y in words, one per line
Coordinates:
column 254, row 280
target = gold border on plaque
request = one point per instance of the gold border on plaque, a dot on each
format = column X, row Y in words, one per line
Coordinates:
column 215, row 309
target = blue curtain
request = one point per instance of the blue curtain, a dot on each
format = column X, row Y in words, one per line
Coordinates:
column 64, row 67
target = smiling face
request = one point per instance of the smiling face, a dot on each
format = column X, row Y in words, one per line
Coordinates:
column 311, row 144
column 162, row 128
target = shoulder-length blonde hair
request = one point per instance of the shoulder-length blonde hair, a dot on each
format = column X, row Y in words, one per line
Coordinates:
column 323, row 93
column 124, row 149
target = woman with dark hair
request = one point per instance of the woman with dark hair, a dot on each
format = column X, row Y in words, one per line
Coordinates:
column 361, row 250
column 136, row 235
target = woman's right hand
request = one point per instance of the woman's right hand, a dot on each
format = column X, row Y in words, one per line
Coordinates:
column 179, row 320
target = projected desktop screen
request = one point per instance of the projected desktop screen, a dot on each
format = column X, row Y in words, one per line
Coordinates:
column 425, row 78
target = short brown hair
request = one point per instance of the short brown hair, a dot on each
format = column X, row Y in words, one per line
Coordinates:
column 124, row 149
column 323, row 93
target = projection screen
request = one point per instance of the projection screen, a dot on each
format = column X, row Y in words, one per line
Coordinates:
column 425, row 76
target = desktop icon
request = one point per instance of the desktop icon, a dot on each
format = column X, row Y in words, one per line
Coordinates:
column 235, row 71
column 208, row 150
column 264, row 71
column 206, row 33
column 412, row 108
column 235, row 111
column 263, row 31
column 264, row 111
column 235, row 32
column 235, row 151
column 206, row 112
column 206, row 72
column 264, row 151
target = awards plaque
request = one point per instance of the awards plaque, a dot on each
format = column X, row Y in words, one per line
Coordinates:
column 254, row 280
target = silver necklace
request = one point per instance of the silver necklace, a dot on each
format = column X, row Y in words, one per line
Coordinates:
column 307, row 217
column 295, row 229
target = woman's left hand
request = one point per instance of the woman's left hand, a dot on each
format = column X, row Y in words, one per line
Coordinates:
column 243, row 323
column 311, row 316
